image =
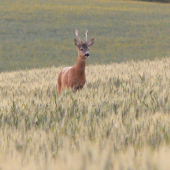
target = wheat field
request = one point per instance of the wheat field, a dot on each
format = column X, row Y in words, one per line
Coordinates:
column 120, row 120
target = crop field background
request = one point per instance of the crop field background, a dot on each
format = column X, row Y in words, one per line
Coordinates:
column 40, row 33
column 120, row 120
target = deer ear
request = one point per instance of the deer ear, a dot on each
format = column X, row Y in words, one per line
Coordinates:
column 76, row 42
column 90, row 43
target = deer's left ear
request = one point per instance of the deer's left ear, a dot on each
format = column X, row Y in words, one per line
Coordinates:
column 76, row 42
column 90, row 43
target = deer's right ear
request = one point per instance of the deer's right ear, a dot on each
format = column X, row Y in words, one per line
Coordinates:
column 76, row 42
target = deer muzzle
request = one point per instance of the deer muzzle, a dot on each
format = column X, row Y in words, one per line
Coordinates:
column 87, row 54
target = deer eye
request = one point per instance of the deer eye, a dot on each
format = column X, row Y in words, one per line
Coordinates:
column 81, row 49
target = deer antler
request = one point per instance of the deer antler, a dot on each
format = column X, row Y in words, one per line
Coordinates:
column 77, row 34
column 86, row 33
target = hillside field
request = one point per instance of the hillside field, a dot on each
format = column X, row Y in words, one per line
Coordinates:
column 120, row 120
column 40, row 33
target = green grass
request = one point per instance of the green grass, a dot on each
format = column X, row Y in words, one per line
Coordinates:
column 36, row 34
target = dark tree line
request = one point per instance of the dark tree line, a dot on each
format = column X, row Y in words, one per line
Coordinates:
column 164, row 1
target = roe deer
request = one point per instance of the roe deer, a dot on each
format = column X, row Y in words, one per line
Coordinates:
column 74, row 77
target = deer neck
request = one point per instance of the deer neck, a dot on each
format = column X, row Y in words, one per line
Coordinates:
column 81, row 64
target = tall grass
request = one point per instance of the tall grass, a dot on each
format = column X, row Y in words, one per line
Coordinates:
column 120, row 120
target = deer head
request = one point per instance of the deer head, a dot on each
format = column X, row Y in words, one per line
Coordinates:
column 83, row 48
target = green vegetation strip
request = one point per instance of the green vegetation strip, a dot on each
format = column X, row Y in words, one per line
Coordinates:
column 37, row 34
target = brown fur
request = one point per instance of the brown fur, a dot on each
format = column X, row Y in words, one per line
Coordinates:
column 74, row 77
